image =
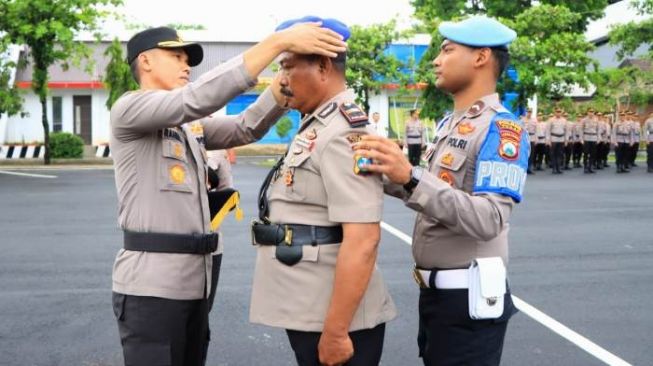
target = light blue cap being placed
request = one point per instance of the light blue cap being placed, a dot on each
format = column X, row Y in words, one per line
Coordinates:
column 333, row 24
column 478, row 31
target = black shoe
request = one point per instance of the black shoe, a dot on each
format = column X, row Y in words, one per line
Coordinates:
column 606, row 165
column 634, row 165
column 529, row 172
column 539, row 168
column 566, row 167
column 649, row 170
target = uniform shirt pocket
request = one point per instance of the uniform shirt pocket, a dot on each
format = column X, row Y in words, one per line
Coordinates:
column 174, row 173
column 295, row 177
column 450, row 167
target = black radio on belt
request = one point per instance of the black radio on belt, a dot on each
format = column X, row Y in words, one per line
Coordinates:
column 290, row 238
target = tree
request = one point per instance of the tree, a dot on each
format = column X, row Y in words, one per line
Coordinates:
column 48, row 28
column 368, row 66
column 550, row 53
column 620, row 88
column 632, row 35
column 117, row 78
column 11, row 102
column 427, row 10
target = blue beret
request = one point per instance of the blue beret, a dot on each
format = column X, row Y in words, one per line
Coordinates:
column 478, row 31
column 333, row 24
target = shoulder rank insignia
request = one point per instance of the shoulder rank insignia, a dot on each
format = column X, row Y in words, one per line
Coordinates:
column 326, row 111
column 354, row 115
column 476, row 109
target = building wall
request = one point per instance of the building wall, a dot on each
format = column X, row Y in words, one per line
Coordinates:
column 29, row 129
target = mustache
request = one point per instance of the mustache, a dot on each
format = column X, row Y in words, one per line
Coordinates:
column 287, row 92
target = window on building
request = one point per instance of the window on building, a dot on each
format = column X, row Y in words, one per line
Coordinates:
column 56, row 114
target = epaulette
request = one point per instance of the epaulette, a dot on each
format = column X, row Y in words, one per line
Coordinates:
column 354, row 115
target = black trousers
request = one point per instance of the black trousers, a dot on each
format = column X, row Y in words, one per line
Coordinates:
column 531, row 157
column 633, row 153
column 414, row 153
column 578, row 152
column 649, row 155
column 157, row 331
column 568, row 152
column 589, row 154
column 368, row 345
column 621, row 152
column 540, row 152
column 448, row 336
column 557, row 155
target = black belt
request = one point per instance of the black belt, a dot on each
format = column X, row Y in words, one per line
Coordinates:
column 591, row 133
column 171, row 243
column 557, row 135
column 290, row 238
column 295, row 234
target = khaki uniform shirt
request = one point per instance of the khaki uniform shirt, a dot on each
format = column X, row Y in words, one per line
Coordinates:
column 159, row 156
column 476, row 174
column 531, row 127
column 604, row 131
column 414, row 134
column 557, row 131
column 621, row 133
column 589, row 130
column 217, row 160
column 542, row 127
column 317, row 185
column 637, row 131
column 648, row 130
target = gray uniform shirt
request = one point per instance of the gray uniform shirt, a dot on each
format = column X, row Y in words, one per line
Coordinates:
column 648, row 130
column 317, row 185
column 414, row 134
column 456, row 223
column 589, row 130
column 160, row 172
column 558, row 130
column 621, row 133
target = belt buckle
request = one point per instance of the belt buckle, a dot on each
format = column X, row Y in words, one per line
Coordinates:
column 417, row 276
column 287, row 239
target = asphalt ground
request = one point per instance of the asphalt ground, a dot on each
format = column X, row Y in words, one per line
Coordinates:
column 581, row 252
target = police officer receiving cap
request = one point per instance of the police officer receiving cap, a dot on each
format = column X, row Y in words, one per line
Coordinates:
column 475, row 176
column 319, row 227
column 159, row 136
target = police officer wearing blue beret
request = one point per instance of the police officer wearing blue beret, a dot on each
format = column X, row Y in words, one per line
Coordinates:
column 475, row 176
column 319, row 225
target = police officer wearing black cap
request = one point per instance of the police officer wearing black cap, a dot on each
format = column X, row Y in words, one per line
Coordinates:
column 159, row 136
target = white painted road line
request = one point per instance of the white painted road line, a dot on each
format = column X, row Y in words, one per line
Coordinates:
column 568, row 334
column 557, row 327
column 28, row 174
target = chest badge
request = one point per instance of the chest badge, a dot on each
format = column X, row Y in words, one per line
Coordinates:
column 465, row 128
column 289, row 178
column 446, row 177
column 177, row 174
column 447, row 159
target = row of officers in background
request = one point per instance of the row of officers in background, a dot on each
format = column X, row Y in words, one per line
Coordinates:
column 559, row 141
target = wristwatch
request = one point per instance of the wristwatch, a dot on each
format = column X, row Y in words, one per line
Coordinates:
column 415, row 175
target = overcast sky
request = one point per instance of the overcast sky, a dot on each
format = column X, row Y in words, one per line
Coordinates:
column 248, row 20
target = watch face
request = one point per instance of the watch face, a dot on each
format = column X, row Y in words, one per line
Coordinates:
column 416, row 173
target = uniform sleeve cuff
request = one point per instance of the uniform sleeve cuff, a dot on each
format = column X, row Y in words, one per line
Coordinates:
column 428, row 185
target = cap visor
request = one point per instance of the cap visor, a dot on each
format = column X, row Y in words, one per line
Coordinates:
column 193, row 50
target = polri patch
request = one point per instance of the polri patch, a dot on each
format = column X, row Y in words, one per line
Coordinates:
column 354, row 115
column 510, row 138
